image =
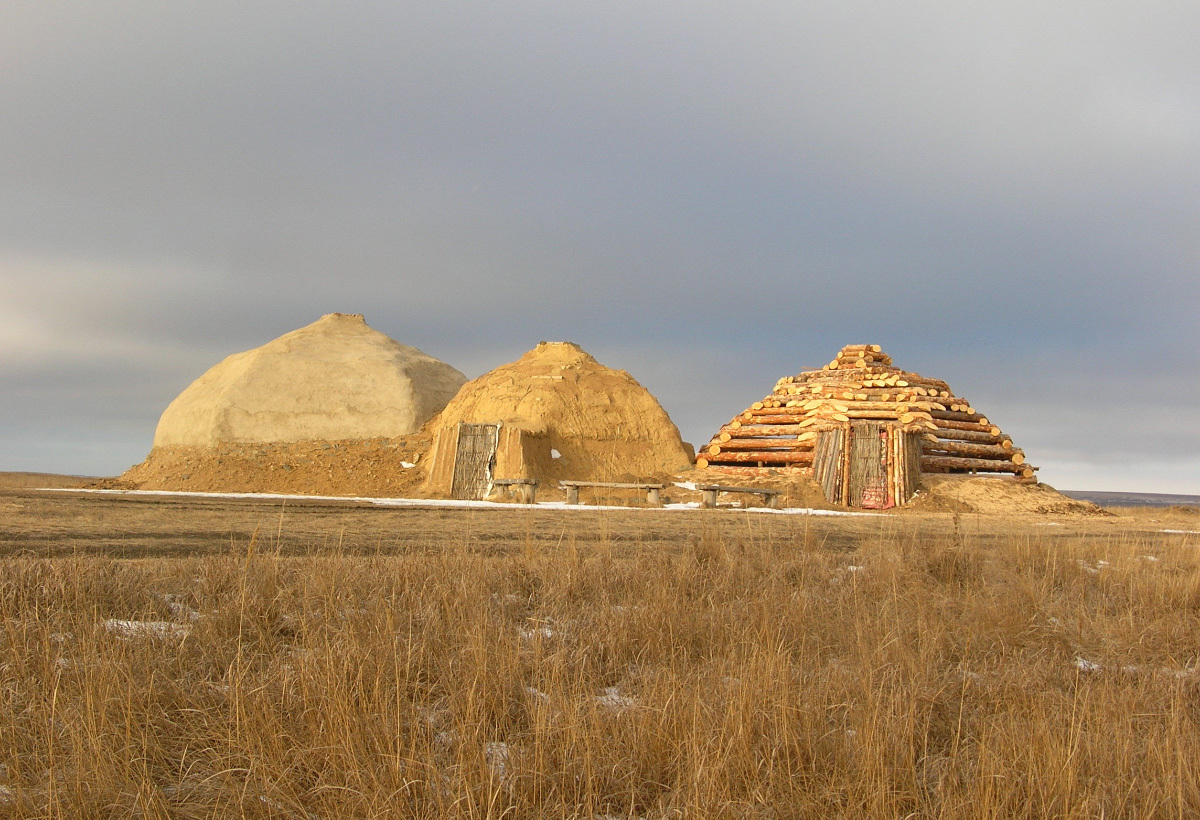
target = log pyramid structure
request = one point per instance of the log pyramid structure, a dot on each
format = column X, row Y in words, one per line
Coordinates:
column 865, row 430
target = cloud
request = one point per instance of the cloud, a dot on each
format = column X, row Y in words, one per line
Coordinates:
column 720, row 194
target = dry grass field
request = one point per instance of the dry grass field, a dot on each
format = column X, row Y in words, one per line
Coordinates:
column 201, row 658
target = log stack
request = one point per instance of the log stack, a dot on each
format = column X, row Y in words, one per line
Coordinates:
column 782, row 431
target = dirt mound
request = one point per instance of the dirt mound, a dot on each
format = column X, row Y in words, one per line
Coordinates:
column 995, row 496
column 573, row 417
column 374, row 467
column 795, row 490
column 334, row 380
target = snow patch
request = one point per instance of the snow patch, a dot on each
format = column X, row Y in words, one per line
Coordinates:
column 179, row 609
column 536, row 694
column 529, row 633
column 1094, row 569
column 497, row 755
column 442, row 502
column 613, row 699
column 146, row 629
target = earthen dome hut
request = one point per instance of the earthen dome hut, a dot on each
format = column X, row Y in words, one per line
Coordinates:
column 555, row 413
column 336, row 379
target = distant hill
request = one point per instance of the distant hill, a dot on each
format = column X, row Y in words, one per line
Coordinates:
column 1133, row 499
column 15, row 481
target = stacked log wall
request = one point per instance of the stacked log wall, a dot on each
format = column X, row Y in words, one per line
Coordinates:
column 935, row 428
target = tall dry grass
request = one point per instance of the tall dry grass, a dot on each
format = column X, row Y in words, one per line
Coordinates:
column 912, row 676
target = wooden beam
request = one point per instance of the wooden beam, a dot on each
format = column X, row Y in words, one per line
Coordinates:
column 945, row 464
column 953, row 415
column 984, row 437
column 972, row 450
column 781, row 444
column 750, row 431
column 766, row 457
column 980, row 425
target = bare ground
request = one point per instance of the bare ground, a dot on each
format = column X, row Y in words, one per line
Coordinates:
column 35, row 522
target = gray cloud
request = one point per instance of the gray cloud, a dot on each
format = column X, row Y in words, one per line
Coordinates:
column 709, row 195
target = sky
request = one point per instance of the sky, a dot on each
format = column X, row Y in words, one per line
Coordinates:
column 710, row 195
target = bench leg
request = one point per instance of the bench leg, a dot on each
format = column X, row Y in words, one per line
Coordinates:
column 710, row 499
column 572, row 495
column 773, row 502
column 654, row 497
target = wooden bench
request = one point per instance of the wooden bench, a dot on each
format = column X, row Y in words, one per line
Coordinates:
column 771, row 497
column 653, row 491
column 526, row 487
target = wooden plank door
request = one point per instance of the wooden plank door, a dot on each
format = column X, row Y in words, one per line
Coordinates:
column 474, row 456
column 868, row 465
column 905, row 473
column 827, row 463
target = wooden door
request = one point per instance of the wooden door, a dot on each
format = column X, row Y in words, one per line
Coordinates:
column 828, row 463
column 868, row 465
column 905, row 455
column 474, row 456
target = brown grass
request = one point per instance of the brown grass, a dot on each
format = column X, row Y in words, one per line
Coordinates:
column 937, row 668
